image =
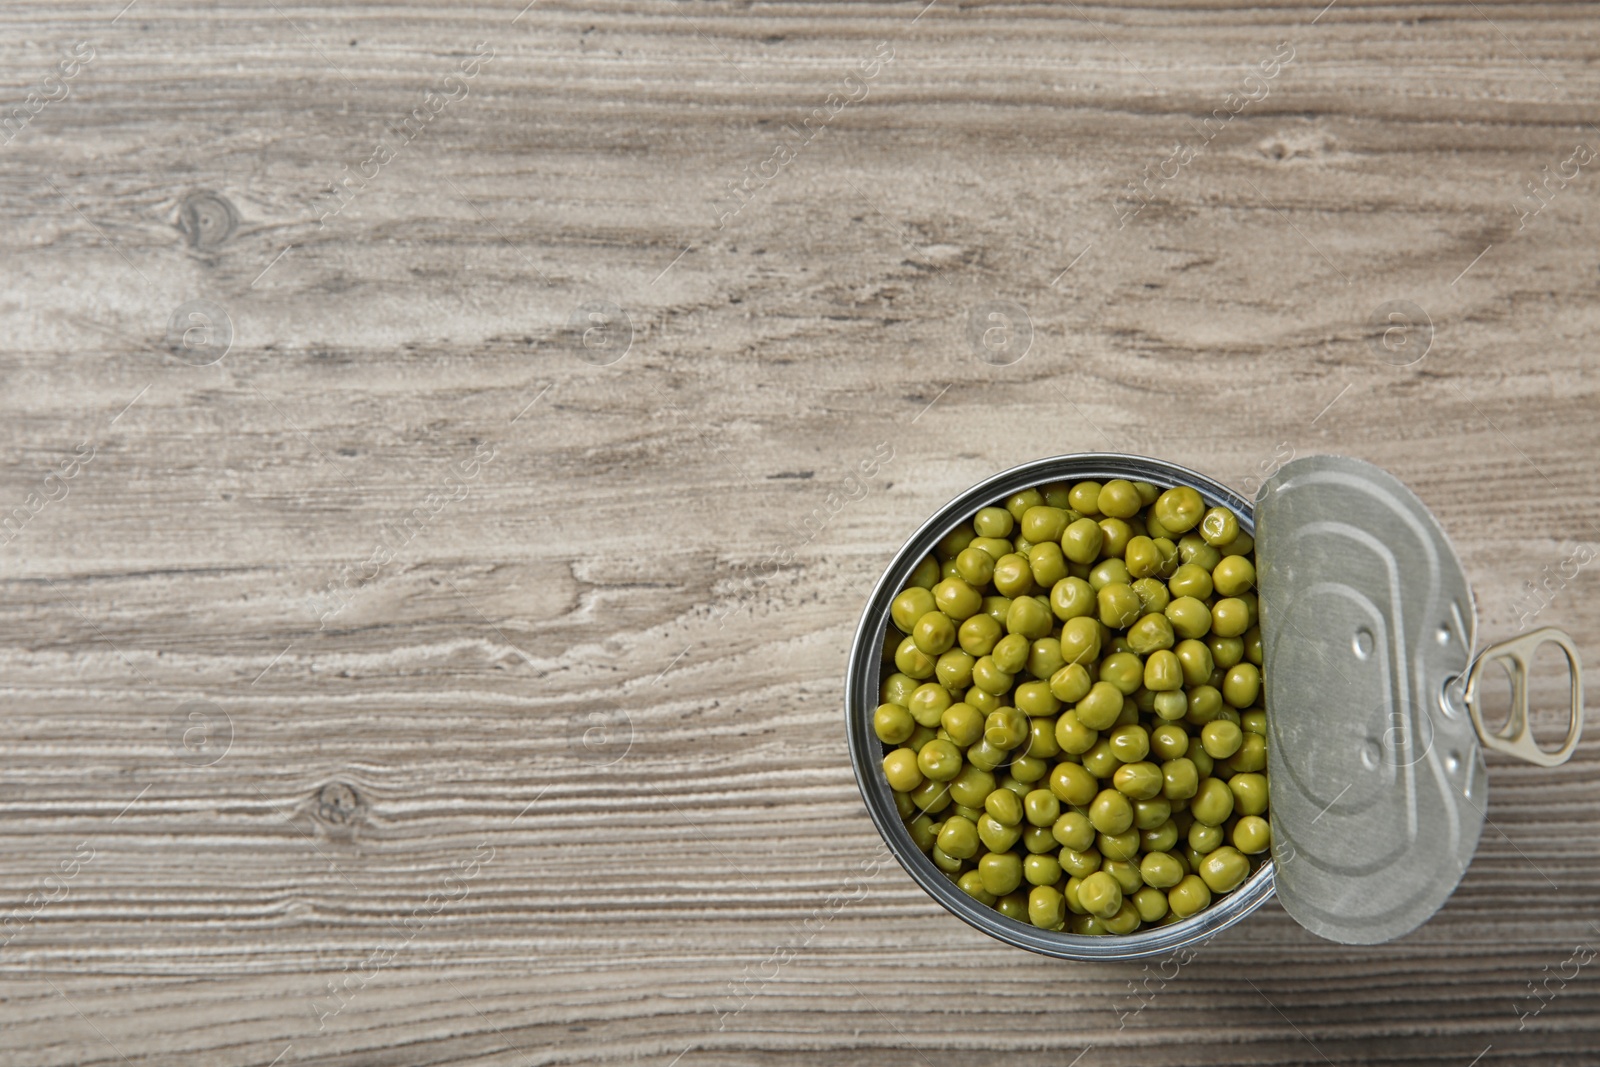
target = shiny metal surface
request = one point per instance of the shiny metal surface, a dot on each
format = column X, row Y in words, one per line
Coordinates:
column 1516, row 738
column 866, row 751
column 1378, row 784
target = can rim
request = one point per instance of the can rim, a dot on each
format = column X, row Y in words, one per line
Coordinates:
column 861, row 691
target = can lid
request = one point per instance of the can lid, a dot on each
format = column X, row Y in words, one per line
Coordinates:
column 1378, row 789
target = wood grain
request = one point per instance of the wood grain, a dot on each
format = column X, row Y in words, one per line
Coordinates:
column 544, row 764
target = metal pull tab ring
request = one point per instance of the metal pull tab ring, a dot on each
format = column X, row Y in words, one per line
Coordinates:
column 1515, row 738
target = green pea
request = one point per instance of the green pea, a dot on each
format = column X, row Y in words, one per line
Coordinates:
column 897, row 688
column 1249, row 793
column 975, row 566
column 920, row 736
column 1043, row 523
column 971, row 883
column 1071, row 598
column 1142, row 557
column 1204, row 837
column 1161, row 870
column 1151, row 633
column 1001, row 872
column 1079, row 864
column 909, row 605
column 1124, row 671
column 1151, row 904
column 1197, row 755
column 1130, row 743
column 958, row 838
column 1047, row 563
column 1193, row 549
column 1242, row 685
column 1162, row 671
column 971, row 787
column 1169, row 740
column 892, row 723
column 1123, row 846
column 903, row 805
column 1041, row 807
column 1073, row 784
column 911, row 660
column 1035, row 698
column 1110, row 572
column 1114, row 537
column 1254, row 722
column 1119, row 605
column 1081, row 540
column 1030, row 618
column 1074, row 737
column 1013, row 575
column 1014, row 906
column 1230, row 617
column 1080, row 640
column 1085, row 497
column 996, row 608
column 1047, row 909
column 1119, row 499
column 922, row 832
column 996, row 835
column 1225, row 651
column 1005, row 728
column 1100, row 894
column 1179, row 509
column 1041, row 743
column 925, row 574
column 1212, row 802
column 1126, row 875
column 1019, row 503
column 989, row 678
column 993, row 547
column 1021, row 546
column 1219, row 527
column 1099, row 708
column 1071, row 683
column 939, row 760
column 1234, row 575
column 1205, row 704
column 1251, row 757
column 1073, row 830
column 957, row 598
column 1189, row 896
column 1037, row 840
column 1224, row 870
column 1100, row 760
column 900, row 768
column 1221, row 738
column 953, row 670
column 993, row 522
column 1045, row 658
column 979, row 634
column 967, row 812
column 1179, row 778
column 1153, row 597
column 1190, row 580
column 1243, row 545
column 1159, row 838
column 1111, row 812
column 981, row 701
column 952, row 543
column 1056, row 494
column 1089, row 926
column 1170, row 705
column 1041, row 869
column 931, row 797
column 1004, row 806
column 1190, row 618
column 1252, row 835
column 1252, row 645
column 1195, row 659
column 1139, row 781
column 1011, row 651
column 928, row 702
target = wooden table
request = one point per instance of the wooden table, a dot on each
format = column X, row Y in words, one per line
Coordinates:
column 448, row 448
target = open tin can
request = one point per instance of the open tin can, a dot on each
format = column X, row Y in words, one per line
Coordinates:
column 1375, row 728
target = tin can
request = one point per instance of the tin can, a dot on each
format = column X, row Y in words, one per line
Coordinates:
column 1375, row 730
